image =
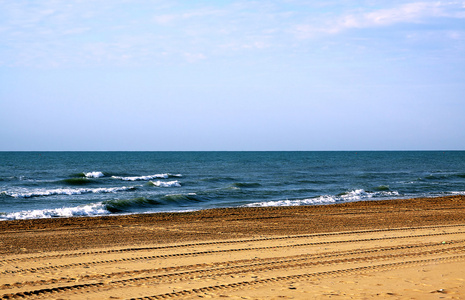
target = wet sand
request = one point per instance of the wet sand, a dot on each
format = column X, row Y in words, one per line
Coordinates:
column 396, row 249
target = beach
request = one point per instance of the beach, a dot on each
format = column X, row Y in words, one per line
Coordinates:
column 396, row 249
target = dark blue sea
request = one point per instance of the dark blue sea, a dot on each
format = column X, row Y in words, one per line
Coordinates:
column 71, row 184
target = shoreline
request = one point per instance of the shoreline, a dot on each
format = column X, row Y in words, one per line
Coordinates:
column 146, row 217
column 408, row 248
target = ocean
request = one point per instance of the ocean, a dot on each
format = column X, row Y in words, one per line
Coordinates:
column 72, row 184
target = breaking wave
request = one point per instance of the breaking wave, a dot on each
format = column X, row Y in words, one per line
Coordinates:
column 53, row 192
column 159, row 183
column 94, row 174
column 116, row 206
column 147, row 177
column 95, row 209
column 352, row 196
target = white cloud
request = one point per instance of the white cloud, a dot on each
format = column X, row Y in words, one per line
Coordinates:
column 137, row 32
column 416, row 12
column 411, row 12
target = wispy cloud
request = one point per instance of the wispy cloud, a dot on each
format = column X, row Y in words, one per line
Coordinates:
column 53, row 32
column 417, row 12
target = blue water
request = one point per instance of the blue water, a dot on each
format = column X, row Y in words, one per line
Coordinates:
column 62, row 184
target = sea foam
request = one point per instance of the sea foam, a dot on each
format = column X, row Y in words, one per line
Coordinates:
column 94, row 174
column 147, row 177
column 53, row 192
column 94, row 209
column 159, row 183
column 352, row 196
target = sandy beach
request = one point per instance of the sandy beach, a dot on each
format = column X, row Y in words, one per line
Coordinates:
column 395, row 249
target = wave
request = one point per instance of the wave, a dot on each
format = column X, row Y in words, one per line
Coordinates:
column 147, row 204
column 53, row 192
column 15, row 178
column 442, row 176
column 182, row 198
column 360, row 195
column 457, row 193
column 382, row 188
column 134, row 205
column 147, row 177
column 159, row 183
column 95, row 209
column 315, row 201
column 127, row 205
column 352, row 196
column 94, row 174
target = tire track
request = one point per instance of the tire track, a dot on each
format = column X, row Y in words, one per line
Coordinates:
column 272, row 260
column 305, row 276
column 166, row 247
column 96, row 283
column 279, row 263
column 164, row 256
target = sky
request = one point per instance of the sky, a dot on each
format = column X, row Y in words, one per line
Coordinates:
column 170, row 75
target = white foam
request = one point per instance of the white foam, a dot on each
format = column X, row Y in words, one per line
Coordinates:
column 52, row 192
column 95, row 209
column 314, row 201
column 94, row 174
column 458, row 193
column 158, row 183
column 147, row 177
column 355, row 196
column 359, row 195
column 352, row 196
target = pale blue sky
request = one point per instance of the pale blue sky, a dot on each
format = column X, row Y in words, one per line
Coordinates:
column 232, row 75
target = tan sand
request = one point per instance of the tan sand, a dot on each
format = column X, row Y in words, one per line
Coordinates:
column 397, row 249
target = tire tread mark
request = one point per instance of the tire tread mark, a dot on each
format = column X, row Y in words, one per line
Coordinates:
column 231, row 242
column 216, row 272
column 243, row 261
column 222, row 251
column 358, row 270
